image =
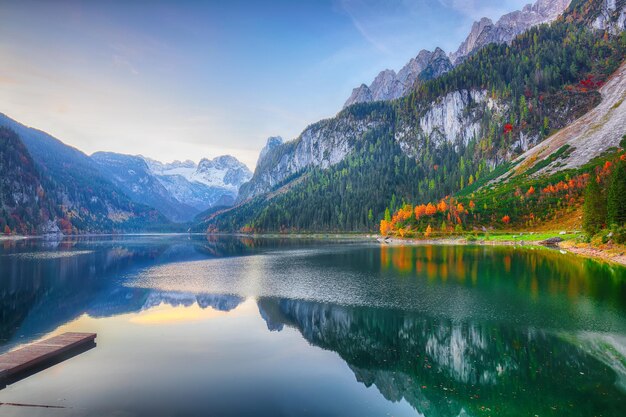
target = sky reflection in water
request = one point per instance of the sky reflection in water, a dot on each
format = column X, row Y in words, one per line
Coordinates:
column 288, row 327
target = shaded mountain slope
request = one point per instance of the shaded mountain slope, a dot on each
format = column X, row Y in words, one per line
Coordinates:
column 133, row 176
column 24, row 204
column 86, row 199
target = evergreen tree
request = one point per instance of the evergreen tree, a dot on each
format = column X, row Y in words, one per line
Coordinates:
column 616, row 196
column 594, row 208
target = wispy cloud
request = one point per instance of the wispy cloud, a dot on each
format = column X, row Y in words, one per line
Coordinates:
column 351, row 8
column 121, row 62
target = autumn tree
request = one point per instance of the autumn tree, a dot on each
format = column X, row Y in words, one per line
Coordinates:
column 428, row 232
column 7, row 230
column 594, row 208
column 506, row 219
column 385, row 227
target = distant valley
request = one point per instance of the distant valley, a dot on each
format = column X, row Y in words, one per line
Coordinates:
column 59, row 189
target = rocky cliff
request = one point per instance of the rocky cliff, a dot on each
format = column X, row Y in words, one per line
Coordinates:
column 322, row 144
column 428, row 65
column 508, row 26
column 454, row 118
column 388, row 85
column 611, row 16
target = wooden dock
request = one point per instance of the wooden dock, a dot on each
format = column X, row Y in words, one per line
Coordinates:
column 39, row 354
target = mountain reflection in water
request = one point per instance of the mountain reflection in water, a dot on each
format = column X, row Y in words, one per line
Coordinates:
column 446, row 361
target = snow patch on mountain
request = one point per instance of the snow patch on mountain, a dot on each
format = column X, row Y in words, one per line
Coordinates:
column 224, row 172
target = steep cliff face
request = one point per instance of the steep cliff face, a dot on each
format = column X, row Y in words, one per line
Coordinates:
column 611, row 16
column 272, row 142
column 508, row 26
column 322, row 144
column 454, row 118
column 388, row 85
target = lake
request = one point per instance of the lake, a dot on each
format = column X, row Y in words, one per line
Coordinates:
column 230, row 326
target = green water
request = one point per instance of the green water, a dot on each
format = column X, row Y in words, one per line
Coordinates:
column 271, row 327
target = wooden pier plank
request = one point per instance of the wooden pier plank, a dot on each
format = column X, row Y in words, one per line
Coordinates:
column 34, row 354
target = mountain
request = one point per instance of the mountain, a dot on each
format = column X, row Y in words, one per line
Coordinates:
column 272, row 142
column 428, row 65
column 24, row 204
column 592, row 135
column 204, row 185
column 611, row 16
column 508, row 26
column 388, row 85
column 179, row 190
column 132, row 175
column 447, row 134
column 85, row 199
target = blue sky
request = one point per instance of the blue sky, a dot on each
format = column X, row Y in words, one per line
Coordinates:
column 185, row 80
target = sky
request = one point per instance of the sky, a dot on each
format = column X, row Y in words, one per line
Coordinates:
column 193, row 79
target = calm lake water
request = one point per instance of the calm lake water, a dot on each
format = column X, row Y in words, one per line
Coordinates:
column 190, row 326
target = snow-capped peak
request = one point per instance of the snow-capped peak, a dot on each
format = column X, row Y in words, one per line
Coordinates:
column 223, row 171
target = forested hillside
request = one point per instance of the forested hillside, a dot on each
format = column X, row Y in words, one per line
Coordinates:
column 83, row 198
column 505, row 99
column 24, row 204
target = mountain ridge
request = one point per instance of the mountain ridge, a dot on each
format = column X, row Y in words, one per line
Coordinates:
column 180, row 190
column 388, row 85
column 450, row 131
column 84, row 198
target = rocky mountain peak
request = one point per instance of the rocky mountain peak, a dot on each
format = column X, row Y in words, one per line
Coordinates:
column 360, row 94
column 389, row 85
column 224, row 170
column 220, row 162
column 272, row 142
column 508, row 26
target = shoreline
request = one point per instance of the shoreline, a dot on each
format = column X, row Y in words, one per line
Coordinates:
column 615, row 255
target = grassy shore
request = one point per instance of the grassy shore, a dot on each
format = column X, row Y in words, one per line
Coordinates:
column 571, row 241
